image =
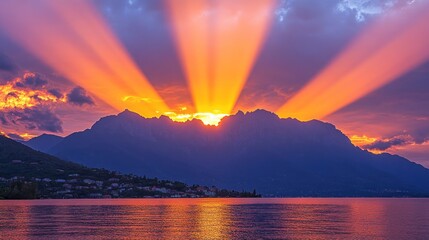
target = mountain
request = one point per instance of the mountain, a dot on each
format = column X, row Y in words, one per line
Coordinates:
column 278, row 157
column 17, row 159
column 26, row 173
column 43, row 142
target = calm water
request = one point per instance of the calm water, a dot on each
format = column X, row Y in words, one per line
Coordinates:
column 216, row 219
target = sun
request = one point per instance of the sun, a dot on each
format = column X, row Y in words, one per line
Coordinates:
column 212, row 119
column 208, row 118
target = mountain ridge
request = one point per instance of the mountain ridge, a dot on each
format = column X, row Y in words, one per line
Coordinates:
column 278, row 157
column 43, row 142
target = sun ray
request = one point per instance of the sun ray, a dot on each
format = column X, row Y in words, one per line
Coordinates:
column 216, row 50
column 73, row 39
column 389, row 48
column 192, row 39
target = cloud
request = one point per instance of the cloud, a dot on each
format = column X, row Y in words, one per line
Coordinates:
column 26, row 104
column 396, row 141
column 282, row 10
column 35, row 118
column 382, row 145
column 365, row 8
column 56, row 93
column 3, row 119
column 13, row 97
column 15, row 137
column 31, row 80
column 78, row 96
column 361, row 8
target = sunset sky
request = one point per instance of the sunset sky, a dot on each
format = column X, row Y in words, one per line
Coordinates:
column 362, row 65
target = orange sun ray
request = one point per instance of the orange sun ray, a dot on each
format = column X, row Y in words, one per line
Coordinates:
column 389, row 48
column 192, row 37
column 73, row 39
column 215, row 47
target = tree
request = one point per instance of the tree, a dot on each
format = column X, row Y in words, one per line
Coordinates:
column 21, row 190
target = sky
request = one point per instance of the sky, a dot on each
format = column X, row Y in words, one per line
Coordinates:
column 362, row 65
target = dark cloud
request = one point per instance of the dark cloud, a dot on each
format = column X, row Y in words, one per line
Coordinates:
column 56, row 93
column 382, row 145
column 11, row 95
column 78, row 96
column 3, row 119
column 37, row 118
column 6, row 64
column 32, row 81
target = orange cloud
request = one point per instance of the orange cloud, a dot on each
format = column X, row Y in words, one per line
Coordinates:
column 19, row 136
column 362, row 140
column 13, row 97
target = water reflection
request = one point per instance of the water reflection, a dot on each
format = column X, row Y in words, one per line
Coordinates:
column 216, row 219
column 213, row 221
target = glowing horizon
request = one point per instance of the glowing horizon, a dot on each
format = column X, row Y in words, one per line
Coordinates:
column 209, row 119
column 389, row 48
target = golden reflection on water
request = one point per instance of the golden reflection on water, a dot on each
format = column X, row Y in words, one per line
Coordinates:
column 215, row 219
column 178, row 221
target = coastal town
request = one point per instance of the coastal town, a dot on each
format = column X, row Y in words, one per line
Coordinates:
column 29, row 174
column 104, row 184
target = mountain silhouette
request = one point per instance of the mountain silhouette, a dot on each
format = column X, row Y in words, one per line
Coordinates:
column 43, row 142
column 254, row 150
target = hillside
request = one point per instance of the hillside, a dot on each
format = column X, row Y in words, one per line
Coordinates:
column 26, row 173
column 278, row 157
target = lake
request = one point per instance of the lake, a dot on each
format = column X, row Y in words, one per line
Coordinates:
column 276, row 218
